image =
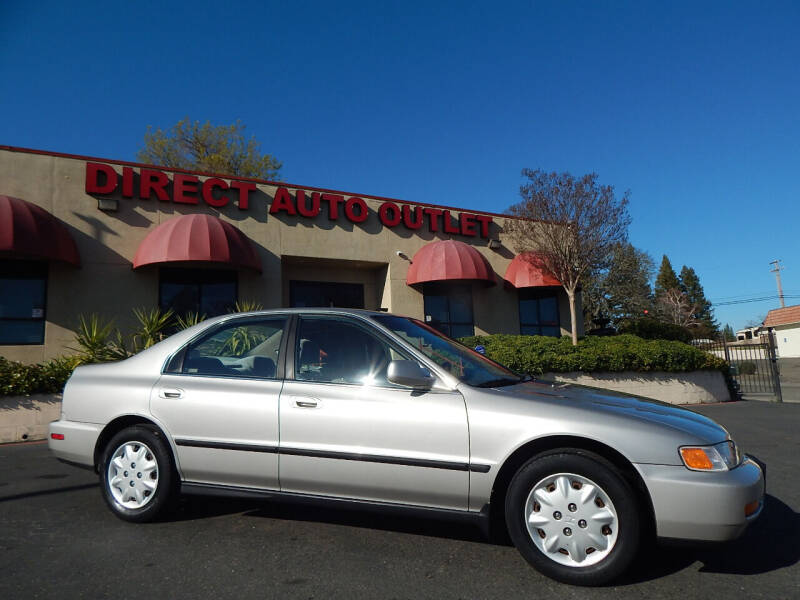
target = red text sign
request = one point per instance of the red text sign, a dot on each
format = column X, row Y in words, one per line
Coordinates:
column 186, row 189
column 183, row 188
column 354, row 209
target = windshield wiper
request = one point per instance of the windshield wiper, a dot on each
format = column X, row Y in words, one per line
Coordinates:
column 499, row 382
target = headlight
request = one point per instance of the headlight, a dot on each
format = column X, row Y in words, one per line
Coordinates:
column 719, row 457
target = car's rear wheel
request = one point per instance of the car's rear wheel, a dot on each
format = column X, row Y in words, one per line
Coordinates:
column 573, row 517
column 137, row 477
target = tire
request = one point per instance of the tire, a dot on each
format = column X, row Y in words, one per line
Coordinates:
column 137, row 476
column 573, row 517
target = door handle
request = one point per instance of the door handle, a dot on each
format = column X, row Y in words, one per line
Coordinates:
column 170, row 393
column 305, row 402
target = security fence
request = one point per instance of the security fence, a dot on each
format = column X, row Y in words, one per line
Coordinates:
column 754, row 363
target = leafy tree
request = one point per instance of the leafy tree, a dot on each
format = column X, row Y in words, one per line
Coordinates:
column 666, row 278
column 628, row 282
column 690, row 285
column 727, row 333
column 622, row 291
column 594, row 300
column 211, row 148
column 573, row 223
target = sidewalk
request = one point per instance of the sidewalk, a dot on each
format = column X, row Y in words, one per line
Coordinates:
column 790, row 378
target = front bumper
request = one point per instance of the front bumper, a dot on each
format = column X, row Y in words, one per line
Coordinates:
column 79, row 441
column 715, row 506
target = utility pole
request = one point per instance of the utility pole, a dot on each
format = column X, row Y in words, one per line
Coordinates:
column 776, row 264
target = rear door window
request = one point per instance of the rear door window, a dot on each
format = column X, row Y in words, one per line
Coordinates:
column 239, row 349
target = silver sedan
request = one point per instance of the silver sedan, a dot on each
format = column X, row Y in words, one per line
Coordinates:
column 347, row 406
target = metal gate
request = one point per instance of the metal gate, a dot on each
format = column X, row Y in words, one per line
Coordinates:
column 754, row 364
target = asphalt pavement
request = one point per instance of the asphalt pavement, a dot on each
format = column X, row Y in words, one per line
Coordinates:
column 57, row 540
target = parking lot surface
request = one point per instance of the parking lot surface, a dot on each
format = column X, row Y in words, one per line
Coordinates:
column 57, row 539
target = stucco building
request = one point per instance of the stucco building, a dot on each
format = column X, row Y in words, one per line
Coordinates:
column 785, row 323
column 82, row 235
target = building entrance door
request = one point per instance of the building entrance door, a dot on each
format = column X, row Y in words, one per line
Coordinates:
column 305, row 294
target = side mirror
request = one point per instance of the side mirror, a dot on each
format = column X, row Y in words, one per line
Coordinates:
column 410, row 374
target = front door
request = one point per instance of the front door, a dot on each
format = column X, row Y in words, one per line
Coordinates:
column 220, row 404
column 346, row 431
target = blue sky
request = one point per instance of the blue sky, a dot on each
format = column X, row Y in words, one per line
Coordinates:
column 694, row 107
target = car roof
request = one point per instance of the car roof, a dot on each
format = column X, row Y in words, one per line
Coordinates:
column 311, row 309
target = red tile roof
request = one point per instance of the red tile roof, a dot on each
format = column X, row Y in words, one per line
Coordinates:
column 783, row 316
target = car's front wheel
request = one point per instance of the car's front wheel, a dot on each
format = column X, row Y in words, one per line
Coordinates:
column 137, row 477
column 573, row 517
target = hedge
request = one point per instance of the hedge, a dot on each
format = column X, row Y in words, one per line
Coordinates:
column 17, row 379
column 535, row 355
column 522, row 353
column 651, row 329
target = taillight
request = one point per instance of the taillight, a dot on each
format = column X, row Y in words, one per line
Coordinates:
column 57, row 436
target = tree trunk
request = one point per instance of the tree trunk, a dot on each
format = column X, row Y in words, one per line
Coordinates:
column 573, row 320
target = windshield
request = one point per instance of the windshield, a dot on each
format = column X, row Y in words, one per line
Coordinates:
column 469, row 366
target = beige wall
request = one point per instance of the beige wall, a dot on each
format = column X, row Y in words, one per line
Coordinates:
column 289, row 248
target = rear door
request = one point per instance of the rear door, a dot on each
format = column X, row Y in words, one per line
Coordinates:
column 346, row 431
column 219, row 402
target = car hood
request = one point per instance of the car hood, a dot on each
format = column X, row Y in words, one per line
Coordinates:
column 626, row 406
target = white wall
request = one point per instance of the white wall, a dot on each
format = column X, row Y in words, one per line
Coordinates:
column 788, row 339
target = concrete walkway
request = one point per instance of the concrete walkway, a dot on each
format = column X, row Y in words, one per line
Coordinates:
column 790, row 378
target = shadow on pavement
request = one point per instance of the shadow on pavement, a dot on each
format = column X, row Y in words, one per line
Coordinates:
column 770, row 543
column 60, row 490
column 199, row 507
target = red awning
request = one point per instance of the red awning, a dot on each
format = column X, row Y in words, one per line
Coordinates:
column 29, row 231
column 197, row 238
column 528, row 270
column 449, row 260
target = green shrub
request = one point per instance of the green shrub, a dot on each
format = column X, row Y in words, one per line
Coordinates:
column 651, row 329
column 537, row 354
column 747, row 368
column 17, row 379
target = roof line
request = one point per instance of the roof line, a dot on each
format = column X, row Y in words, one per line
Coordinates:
column 128, row 163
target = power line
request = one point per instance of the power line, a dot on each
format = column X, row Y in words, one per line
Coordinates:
column 761, row 299
column 758, row 294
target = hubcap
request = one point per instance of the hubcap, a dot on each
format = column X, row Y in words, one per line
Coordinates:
column 132, row 489
column 571, row 520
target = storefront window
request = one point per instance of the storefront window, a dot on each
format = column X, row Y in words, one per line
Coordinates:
column 304, row 294
column 448, row 308
column 23, row 289
column 538, row 313
column 204, row 291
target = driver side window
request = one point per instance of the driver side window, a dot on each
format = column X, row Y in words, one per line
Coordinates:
column 240, row 349
column 333, row 350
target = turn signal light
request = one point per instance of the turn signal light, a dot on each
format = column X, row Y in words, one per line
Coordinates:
column 749, row 509
column 696, row 458
column 57, row 436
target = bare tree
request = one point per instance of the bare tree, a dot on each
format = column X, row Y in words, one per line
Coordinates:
column 674, row 306
column 572, row 223
column 757, row 322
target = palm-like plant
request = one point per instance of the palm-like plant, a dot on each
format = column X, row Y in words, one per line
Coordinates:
column 152, row 324
column 246, row 306
column 242, row 339
column 190, row 319
column 98, row 341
